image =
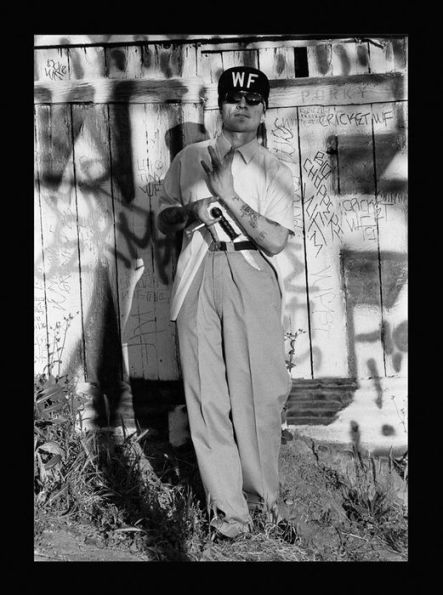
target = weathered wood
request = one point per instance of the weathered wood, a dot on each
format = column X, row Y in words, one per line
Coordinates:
column 319, row 177
column 161, row 124
column 381, row 57
column 123, row 62
column 358, row 214
column 364, row 88
column 369, row 88
column 349, row 59
column 120, row 91
column 229, row 42
column 59, row 255
column 390, row 139
column 341, row 90
column 169, row 61
column 40, row 323
column 133, row 239
column 320, row 60
column 239, row 58
column 210, row 66
column 96, row 245
column 282, row 140
column 51, row 64
column 87, row 63
column 277, row 63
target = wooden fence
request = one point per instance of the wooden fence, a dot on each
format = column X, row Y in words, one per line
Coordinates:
column 110, row 114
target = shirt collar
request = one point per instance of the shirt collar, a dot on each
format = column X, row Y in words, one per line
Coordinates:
column 247, row 151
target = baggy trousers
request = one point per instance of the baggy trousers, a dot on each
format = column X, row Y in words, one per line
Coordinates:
column 236, row 383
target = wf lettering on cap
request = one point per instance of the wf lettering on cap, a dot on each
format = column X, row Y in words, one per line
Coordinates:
column 243, row 78
column 239, row 77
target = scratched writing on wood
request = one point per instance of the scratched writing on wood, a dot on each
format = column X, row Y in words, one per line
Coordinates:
column 283, row 144
column 151, row 182
column 55, row 70
column 323, row 222
column 362, row 215
column 331, row 117
column 322, row 299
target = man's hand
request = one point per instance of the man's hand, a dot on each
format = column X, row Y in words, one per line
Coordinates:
column 219, row 180
column 200, row 210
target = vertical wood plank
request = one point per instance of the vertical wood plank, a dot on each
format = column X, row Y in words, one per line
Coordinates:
column 349, row 59
column 210, row 67
column 168, row 60
column 51, row 64
column 87, row 63
column 213, row 122
column 390, row 138
column 400, row 54
column 133, row 238
column 282, row 140
column 161, row 123
column 323, row 239
column 277, row 63
column 319, row 59
column 40, row 325
column 359, row 254
column 96, row 246
column 240, row 58
column 193, row 123
column 188, row 57
column 54, row 162
column 381, row 56
column 124, row 62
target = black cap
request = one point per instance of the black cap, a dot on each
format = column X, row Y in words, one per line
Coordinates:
column 243, row 78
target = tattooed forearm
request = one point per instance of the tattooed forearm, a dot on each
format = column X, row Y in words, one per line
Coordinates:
column 268, row 234
column 246, row 211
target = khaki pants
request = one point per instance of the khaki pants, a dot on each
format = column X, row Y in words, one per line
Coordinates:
column 235, row 378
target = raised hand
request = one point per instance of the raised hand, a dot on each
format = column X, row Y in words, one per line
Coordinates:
column 219, row 179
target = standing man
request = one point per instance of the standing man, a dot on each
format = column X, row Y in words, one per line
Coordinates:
column 227, row 301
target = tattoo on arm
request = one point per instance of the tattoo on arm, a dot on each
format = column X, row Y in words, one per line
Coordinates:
column 246, row 211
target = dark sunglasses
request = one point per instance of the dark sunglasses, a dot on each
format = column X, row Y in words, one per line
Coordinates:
column 250, row 97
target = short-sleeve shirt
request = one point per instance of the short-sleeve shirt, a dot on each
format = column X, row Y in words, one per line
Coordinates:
column 261, row 180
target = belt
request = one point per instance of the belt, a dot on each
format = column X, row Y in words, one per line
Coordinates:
column 232, row 246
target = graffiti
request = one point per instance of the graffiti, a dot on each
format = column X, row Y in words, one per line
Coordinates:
column 55, row 70
column 323, row 222
column 361, row 274
column 322, row 299
column 331, row 118
column 283, row 145
column 283, row 136
column 355, row 118
column 363, row 214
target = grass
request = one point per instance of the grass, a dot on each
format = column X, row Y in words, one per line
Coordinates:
column 141, row 493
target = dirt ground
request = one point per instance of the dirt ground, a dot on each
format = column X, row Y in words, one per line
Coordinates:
column 313, row 501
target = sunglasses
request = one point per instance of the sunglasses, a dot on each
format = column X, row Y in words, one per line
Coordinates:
column 250, row 97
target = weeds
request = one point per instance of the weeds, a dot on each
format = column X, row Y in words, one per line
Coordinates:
column 370, row 505
column 110, row 484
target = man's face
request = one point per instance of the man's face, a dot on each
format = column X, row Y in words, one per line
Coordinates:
column 239, row 114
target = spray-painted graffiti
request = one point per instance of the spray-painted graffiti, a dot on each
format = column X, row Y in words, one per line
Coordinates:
column 361, row 270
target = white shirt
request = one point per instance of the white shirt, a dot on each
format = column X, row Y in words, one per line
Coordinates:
column 260, row 179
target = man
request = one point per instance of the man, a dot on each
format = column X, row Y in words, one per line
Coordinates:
column 227, row 301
